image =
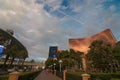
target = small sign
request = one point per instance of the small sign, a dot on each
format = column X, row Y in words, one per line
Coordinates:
column 53, row 52
column 1, row 50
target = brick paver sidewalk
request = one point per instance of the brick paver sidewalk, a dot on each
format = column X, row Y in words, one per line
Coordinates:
column 44, row 75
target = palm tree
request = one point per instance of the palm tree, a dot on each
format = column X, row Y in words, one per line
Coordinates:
column 7, row 53
column 6, row 42
column 22, row 55
column 14, row 52
column 9, row 42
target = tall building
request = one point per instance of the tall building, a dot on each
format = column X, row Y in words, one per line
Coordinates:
column 82, row 44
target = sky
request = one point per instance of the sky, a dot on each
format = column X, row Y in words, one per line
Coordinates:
column 38, row 24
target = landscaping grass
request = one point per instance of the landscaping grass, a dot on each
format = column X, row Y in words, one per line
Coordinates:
column 23, row 75
column 4, row 77
column 28, row 75
column 94, row 76
column 115, row 79
column 74, row 76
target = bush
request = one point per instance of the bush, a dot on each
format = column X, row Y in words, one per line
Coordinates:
column 100, row 76
column 73, row 76
column 115, row 79
column 115, row 75
column 4, row 77
column 28, row 75
column 94, row 76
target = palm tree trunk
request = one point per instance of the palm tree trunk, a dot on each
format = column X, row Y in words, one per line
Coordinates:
column 23, row 61
column 12, row 60
column 6, row 59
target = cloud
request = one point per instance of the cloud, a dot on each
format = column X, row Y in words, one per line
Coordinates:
column 30, row 23
column 38, row 28
column 112, row 8
column 96, row 16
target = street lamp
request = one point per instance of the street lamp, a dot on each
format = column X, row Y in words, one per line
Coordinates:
column 60, row 61
column 51, row 67
column 54, row 66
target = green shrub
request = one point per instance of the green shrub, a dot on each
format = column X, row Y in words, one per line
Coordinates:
column 73, row 76
column 100, row 76
column 115, row 75
column 4, row 77
column 115, row 79
column 28, row 75
column 94, row 76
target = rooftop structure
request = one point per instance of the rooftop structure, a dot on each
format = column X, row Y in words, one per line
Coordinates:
column 10, row 40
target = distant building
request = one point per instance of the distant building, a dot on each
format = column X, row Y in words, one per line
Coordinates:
column 82, row 44
column 53, row 52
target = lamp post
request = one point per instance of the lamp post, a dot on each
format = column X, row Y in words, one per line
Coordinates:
column 51, row 67
column 60, row 61
column 54, row 69
column 54, row 66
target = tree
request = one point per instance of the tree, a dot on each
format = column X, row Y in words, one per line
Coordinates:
column 14, row 52
column 14, row 48
column 76, row 56
column 8, row 50
column 100, row 55
column 32, row 61
column 22, row 55
column 69, row 59
column 116, row 52
column 7, row 53
column 49, row 62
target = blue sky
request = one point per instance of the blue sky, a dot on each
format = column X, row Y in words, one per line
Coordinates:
column 39, row 24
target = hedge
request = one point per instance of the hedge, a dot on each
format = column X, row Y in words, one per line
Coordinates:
column 94, row 76
column 28, row 75
column 23, row 75
column 101, row 76
column 4, row 77
column 115, row 79
column 115, row 75
column 73, row 76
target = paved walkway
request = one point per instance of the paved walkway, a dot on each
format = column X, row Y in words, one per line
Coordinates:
column 44, row 75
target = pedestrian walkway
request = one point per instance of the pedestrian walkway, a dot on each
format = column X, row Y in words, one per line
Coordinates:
column 44, row 75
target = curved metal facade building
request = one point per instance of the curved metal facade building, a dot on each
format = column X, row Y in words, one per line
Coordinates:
column 82, row 44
